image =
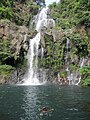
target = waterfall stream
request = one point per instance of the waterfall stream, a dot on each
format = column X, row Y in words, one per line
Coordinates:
column 33, row 61
column 82, row 62
column 72, row 76
column 43, row 22
column 35, row 75
column 67, row 59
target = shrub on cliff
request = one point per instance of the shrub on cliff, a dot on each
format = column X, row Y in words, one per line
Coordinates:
column 19, row 11
column 71, row 11
column 5, row 70
column 85, row 75
column 6, row 10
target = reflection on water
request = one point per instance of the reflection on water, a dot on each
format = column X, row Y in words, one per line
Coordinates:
column 50, row 102
column 30, row 103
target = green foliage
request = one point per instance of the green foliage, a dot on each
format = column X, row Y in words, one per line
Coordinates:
column 73, row 67
column 85, row 75
column 18, row 11
column 6, row 10
column 54, row 58
column 85, row 18
column 86, row 82
column 5, row 52
column 85, row 70
column 72, row 12
column 5, row 70
column 81, row 44
column 63, row 74
column 6, row 3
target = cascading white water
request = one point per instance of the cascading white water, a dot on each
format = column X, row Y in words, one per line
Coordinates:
column 67, row 54
column 72, row 77
column 82, row 62
column 33, row 61
column 43, row 21
column 67, row 59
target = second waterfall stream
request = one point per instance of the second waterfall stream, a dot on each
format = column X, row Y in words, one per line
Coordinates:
column 43, row 21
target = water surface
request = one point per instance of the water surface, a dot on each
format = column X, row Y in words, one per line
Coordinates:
column 60, row 102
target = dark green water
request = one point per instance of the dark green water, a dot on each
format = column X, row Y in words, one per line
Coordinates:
column 61, row 102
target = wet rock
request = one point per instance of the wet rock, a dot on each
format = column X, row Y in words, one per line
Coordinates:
column 16, row 77
column 2, row 79
column 16, row 35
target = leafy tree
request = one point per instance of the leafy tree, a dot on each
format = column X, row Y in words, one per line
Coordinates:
column 6, row 10
column 73, row 12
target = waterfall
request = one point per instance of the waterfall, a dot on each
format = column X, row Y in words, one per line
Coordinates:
column 72, row 76
column 82, row 63
column 67, row 59
column 32, row 78
column 43, row 22
column 67, row 54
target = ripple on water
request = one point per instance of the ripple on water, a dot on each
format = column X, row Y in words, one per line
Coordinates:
column 59, row 102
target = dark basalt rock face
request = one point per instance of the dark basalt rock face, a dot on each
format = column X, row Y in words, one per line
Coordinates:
column 16, row 77
column 16, row 37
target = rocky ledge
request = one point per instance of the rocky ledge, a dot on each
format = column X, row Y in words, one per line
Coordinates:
column 13, row 49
